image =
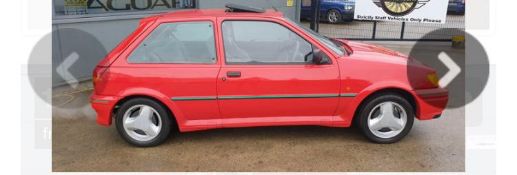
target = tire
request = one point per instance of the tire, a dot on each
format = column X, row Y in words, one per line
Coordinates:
column 147, row 114
column 385, row 128
column 333, row 16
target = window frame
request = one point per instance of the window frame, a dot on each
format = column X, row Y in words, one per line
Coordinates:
column 130, row 50
column 313, row 45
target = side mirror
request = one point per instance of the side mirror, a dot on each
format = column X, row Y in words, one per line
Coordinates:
column 319, row 58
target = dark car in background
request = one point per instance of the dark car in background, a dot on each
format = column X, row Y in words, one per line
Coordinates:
column 456, row 7
column 332, row 11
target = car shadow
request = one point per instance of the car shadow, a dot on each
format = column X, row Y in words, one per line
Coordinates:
column 273, row 133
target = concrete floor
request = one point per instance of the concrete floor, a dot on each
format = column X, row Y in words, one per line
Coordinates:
column 79, row 144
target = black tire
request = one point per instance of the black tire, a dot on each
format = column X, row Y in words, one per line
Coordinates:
column 362, row 120
column 338, row 16
column 164, row 115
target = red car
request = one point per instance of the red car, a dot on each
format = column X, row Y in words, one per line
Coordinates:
column 206, row 69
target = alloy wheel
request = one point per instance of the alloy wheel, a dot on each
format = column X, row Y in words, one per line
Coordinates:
column 142, row 123
column 333, row 16
column 387, row 119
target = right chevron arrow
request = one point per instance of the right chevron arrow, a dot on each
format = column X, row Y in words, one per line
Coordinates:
column 454, row 69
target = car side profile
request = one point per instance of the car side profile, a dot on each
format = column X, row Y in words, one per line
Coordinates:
column 205, row 69
column 332, row 11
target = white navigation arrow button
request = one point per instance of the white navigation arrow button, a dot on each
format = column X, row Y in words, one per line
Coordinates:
column 454, row 69
column 62, row 69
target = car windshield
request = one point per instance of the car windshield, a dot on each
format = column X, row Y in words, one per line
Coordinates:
column 334, row 45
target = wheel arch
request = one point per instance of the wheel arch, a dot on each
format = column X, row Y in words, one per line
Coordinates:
column 325, row 12
column 333, row 8
column 397, row 90
column 150, row 97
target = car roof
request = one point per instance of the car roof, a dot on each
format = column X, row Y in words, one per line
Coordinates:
column 218, row 13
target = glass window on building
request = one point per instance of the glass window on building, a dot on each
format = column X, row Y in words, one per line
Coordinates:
column 85, row 7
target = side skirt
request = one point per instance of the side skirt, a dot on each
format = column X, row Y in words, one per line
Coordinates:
column 327, row 121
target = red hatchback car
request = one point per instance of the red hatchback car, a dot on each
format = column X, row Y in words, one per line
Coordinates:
column 205, row 69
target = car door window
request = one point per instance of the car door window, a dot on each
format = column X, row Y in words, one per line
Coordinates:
column 261, row 42
column 181, row 42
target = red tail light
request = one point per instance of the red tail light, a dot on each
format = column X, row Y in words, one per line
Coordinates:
column 97, row 74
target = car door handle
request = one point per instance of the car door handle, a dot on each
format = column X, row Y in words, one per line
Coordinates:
column 233, row 74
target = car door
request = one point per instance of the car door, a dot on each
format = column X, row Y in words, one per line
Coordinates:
column 266, row 78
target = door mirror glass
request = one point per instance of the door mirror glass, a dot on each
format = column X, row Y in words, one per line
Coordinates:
column 317, row 57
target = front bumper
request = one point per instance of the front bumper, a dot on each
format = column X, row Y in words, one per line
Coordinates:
column 103, row 106
column 456, row 8
column 347, row 15
column 431, row 102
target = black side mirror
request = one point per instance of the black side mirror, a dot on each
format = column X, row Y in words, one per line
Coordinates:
column 319, row 58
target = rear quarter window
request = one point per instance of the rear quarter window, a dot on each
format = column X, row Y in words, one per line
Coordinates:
column 180, row 42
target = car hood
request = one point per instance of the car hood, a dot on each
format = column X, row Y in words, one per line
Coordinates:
column 373, row 52
column 358, row 47
column 370, row 52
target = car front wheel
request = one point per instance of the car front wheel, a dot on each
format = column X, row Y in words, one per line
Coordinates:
column 333, row 16
column 143, row 122
column 386, row 118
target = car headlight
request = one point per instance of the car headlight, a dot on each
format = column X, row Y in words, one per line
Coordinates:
column 349, row 7
column 433, row 79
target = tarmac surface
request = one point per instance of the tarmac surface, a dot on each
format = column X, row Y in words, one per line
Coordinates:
column 80, row 145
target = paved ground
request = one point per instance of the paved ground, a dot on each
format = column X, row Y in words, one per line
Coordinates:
column 81, row 145
column 391, row 30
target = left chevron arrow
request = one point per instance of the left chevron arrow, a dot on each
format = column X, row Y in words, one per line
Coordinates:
column 63, row 69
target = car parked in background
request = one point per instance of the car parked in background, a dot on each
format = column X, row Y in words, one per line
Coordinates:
column 332, row 11
column 456, row 7
column 205, row 69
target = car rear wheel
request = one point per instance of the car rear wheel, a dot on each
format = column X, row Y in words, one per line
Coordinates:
column 143, row 122
column 333, row 16
column 386, row 118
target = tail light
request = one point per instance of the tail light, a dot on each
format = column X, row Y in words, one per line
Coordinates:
column 97, row 74
column 433, row 79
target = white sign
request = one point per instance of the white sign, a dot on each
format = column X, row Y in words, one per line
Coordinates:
column 419, row 11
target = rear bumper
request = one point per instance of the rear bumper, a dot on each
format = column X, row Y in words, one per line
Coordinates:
column 103, row 106
column 431, row 102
